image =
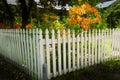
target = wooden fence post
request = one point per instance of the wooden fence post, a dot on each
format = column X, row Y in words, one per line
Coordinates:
column 44, row 71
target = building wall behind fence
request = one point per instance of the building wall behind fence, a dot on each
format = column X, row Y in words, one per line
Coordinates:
column 62, row 51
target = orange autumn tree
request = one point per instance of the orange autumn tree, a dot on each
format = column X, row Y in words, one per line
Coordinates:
column 84, row 15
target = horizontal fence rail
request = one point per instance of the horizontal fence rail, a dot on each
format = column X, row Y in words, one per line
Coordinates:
column 61, row 51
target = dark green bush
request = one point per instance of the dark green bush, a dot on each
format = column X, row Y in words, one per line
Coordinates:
column 113, row 15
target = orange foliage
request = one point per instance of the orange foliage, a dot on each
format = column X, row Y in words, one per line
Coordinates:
column 28, row 26
column 45, row 18
column 15, row 26
column 77, row 15
column 1, row 25
column 84, row 25
column 79, row 18
column 53, row 17
column 61, row 27
column 72, row 21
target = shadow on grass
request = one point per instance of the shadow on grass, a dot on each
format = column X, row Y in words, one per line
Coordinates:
column 109, row 70
column 11, row 72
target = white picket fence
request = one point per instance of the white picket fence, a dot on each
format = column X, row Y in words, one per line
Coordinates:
column 62, row 51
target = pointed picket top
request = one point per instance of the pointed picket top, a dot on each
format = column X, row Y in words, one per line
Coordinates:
column 63, row 34
column 68, row 31
column 40, row 33
column 73, row 31
column 73, row 34
column 58, row 32
column 53, row 32
column 46, row 31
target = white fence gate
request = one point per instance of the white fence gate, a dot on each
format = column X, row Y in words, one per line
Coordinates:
column 62, row 51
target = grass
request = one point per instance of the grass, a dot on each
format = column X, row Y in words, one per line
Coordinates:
column 109, row 70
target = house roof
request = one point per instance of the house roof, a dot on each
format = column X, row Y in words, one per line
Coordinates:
column 105, row 4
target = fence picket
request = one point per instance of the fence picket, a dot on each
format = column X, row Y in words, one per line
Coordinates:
column 61, row 53
column 64, row 51
column 78, row 52
column 48, row 53
column 28, row 50
column 22, row 49
column 99, row 45
column 96, row 36
column 25, row 51
column 19, row 47
column 73, row 50
column 105, row 50
column 102, row 45
column 31, row 51
column 93, row 47
column 53, row 53
column 117, row 43
column 17, row 36
column 69, row 51
column 82, row 57
column 41, row 56
column 112, row 36
column 34, row 53
column 89, row 48
column 37, row 52
column 85, row 48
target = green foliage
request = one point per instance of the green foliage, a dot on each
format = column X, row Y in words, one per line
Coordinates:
column 6, row 14
column 112, row 15
column 118, row 24
column 112, row 66
column 30, row 14
column 102, row 24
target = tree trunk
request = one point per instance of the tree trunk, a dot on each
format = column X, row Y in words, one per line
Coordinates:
column 26, row 11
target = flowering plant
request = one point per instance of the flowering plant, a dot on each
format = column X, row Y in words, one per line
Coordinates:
column 2, row 26
column 84, row 15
